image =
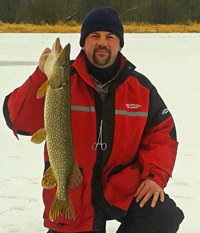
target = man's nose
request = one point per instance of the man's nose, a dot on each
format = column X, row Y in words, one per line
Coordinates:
column 102, row 41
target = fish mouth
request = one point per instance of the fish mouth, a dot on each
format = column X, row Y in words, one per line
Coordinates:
column 58, row 45
column 57, row 41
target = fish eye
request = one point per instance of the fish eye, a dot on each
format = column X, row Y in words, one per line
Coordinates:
column 64, row 65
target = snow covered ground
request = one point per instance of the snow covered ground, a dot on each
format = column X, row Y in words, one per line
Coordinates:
column 170, row 61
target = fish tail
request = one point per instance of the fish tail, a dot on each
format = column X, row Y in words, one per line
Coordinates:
column 60, row 207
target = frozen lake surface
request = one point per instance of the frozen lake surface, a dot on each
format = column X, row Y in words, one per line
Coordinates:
column 170, row 61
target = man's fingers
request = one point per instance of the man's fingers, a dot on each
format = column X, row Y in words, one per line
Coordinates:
column 145, row 199
column 43, row 58
column 139, row 189
column 155, row 199
column 144, row 194
column 149, row 189
column 162, row 196
column 156, row 196
column 47, row 50
column 45, row 54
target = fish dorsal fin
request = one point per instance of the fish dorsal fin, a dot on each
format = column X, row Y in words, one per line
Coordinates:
column 76, row 177
column 42, row 90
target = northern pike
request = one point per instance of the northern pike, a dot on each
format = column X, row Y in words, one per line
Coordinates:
column 63, row 171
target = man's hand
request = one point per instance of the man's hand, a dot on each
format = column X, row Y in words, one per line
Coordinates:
column 43, row 58
column 146, row 190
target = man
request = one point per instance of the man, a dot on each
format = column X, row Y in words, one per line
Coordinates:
column 124, row 136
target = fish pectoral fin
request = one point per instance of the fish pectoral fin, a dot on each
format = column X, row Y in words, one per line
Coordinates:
column 49, row 180
column 42, row 90
column 60, row 207
column 39, row 136
column 76, row 177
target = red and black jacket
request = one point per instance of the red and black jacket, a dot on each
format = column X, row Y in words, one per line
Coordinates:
column 137, row 128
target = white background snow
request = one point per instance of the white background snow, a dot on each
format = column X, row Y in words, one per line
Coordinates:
column 170, row 61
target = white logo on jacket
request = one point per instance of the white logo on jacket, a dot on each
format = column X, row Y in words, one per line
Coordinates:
column 165, row 111
column 133, row 105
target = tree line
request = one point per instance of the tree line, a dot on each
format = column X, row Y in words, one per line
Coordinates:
column 53, row 11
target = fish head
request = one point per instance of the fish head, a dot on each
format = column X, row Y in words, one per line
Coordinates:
column 59, row 66
column 62, row 67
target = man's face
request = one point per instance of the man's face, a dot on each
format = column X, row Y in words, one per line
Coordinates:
column 101, row 48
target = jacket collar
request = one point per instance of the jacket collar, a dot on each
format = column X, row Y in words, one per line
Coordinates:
column 80, row 66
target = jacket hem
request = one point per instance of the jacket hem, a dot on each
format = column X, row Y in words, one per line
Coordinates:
column 61, row 227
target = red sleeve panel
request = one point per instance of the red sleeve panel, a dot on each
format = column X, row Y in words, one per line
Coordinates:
column 22, row 108
column 157, row 153
column 158, row 146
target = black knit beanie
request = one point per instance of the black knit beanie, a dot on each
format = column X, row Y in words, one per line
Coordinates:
column 102, row 19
